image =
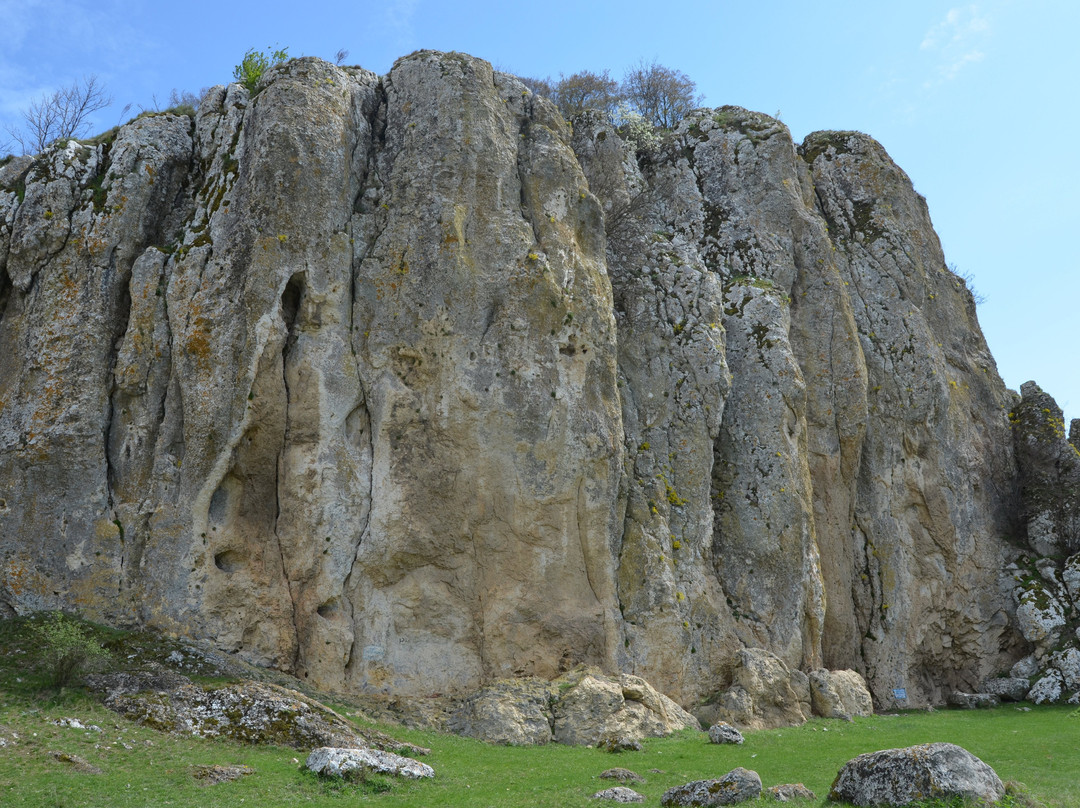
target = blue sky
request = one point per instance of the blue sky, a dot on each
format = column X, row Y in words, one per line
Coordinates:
column 977, row 102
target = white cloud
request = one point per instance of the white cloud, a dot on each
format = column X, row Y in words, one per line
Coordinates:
column 398, row 15
column 956, row 41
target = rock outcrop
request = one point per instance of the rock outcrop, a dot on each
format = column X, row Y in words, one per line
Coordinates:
column 403, row 385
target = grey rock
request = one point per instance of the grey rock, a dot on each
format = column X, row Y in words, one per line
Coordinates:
column 724, row 733
column 1025, row 667
column 618, row 794
column 790, row 792
column 622, row 775
column 972, row 701
column 1008, row 688
column 1049, row 688
column 335, row 762
column 1067, row 663
column 738, row 785
column 928, row 771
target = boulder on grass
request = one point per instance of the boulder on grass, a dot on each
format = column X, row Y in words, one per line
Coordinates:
column 618, row 794
column 738, row 785
column 337, row 762
column 898, row 777
column 1009, row 688
column 722, row 732
column 839, row 694
column 790, row 792
column 972, row 701
column 622, row 775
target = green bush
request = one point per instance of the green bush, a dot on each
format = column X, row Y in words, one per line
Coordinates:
column 66, row 649
column 255, row 63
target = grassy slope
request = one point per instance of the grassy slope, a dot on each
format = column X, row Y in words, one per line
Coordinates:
column 142, row 767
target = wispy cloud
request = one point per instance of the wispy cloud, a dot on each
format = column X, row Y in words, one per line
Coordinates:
column 956, row 41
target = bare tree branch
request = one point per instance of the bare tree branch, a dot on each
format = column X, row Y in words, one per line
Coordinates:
column 66, row 113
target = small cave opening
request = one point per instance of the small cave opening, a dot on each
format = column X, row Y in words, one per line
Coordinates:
column 228, row 561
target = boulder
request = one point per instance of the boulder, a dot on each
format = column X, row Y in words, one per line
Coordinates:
column 1039, row 614
column 591, row 708
column 762, row 695
column 337, row 762
column 618, row 794
column 723, row 732
column 738, row 785
column 622, row 775
column 1025, row 668
column 1067, row 663
column 839, row 694
column 1008, row 688
column 897, row 777
column 790, row 792
column 516, row 712
column 1070, row 577
column 972, row 701
column 1048, row 689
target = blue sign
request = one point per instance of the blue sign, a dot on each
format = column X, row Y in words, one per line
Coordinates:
column 900, row 693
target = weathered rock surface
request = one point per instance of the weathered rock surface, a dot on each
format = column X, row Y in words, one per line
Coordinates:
column 622, row 775
column 790, row 792
column 1049, row 473
column 397, row 385
column 839, row 694
column 1008, row 688
column 738, row 785
column 582, row 708
column 333, row 762
column 724, row 733
column 619, row 794
column 902, row 776
column 251, row 712
column 972, row 701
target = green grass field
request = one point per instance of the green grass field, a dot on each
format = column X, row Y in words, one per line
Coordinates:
column 142, row 767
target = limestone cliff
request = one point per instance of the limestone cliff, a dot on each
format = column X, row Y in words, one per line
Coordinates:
column 403, row 384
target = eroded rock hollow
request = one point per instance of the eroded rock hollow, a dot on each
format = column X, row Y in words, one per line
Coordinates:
column 403, row 384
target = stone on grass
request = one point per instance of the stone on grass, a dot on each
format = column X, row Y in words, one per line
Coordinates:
column 738, row 785
column 723, row 732
column 622, row 775
column 336, row 762
column 927, row 771
column 790, row 792
column 79, row 764
column 213, row 775
column 618, row 794
column 616, row 743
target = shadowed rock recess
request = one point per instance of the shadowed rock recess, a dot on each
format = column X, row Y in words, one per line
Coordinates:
column 404, row 385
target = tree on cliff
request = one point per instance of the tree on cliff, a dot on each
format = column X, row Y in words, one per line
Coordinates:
column 662, row 95
column 65, row 113
column 586, row 90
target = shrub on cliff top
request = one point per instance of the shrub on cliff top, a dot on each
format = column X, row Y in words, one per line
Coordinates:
column 255, row 63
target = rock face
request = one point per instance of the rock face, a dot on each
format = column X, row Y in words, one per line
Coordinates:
column 903, row 776
column 400, row 385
